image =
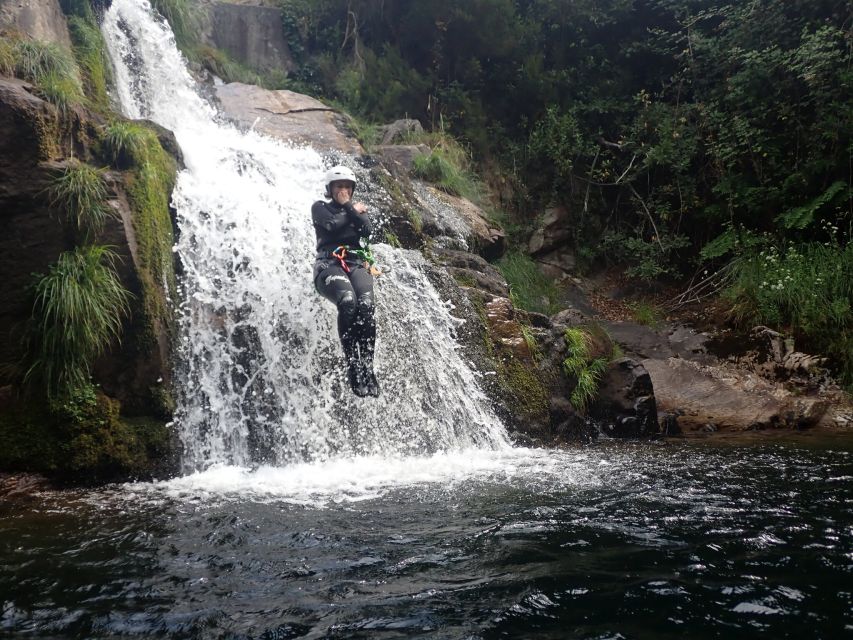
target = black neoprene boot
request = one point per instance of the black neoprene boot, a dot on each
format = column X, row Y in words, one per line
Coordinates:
column 355, row 374
column 367, row 376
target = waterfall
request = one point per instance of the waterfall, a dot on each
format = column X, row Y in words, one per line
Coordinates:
column 259, row 376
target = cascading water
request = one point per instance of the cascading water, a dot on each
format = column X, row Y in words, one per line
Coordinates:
column 260, row 372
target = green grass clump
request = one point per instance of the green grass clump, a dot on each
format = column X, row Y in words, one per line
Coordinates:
column 583, row 366
column 7, row 57
column 529, row 288
column 125, row 143
column 805, row 290
column 646, row 313
column 78, row 310
column 81, row 192
column 35, row 59
column 61, row 91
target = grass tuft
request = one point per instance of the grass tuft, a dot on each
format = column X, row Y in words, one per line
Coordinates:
column 78, row 310
column 35, row 59
column 529, row 288
column 583, row 366
column 61, row 91
column 81, row 192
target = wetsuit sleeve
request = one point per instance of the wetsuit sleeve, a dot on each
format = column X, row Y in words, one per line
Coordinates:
column 360, row 220
column 327, row 220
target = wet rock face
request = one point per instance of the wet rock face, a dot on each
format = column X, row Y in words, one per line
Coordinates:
column 460, row 221
column 287, row 116
column 32, row 155
column 250, row 34
column 32, row 237
column 626, row 406
column 39, row 19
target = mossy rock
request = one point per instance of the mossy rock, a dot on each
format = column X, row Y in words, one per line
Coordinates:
column 82, row 440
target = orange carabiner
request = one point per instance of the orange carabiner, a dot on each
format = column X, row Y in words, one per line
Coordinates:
column 341, row 253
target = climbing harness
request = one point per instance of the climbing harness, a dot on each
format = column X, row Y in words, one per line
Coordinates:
column 364, row 254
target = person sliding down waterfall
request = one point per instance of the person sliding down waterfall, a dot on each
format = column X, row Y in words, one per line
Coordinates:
column 343, row 273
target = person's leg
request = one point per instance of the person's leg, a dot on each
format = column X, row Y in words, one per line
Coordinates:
column 365, row 325
column 334, row 284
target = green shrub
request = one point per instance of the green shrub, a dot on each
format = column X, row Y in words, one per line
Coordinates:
column 81, row 192
column 529, row 288
column 77, row 311
column 582, row 365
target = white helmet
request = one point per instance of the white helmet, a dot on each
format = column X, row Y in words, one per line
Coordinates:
column 339, row 172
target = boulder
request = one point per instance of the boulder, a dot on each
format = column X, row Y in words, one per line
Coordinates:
column 399, row 130
column 472, row 270
column 34, row 147
column 625, row 406
column 552, row 232
column 402, row 154
column 727, row 398
column 39, row 19
column 288, row 116
column 447, row 215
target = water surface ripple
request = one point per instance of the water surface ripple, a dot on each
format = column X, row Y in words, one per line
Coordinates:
column 614, row 541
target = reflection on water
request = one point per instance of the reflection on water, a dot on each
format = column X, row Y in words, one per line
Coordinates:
column 618, row 540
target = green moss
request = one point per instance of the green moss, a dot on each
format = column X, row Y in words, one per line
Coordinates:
column 521, row 381
column 149, row 184
column 90, row 52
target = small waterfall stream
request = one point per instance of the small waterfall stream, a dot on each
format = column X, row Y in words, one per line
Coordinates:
column 259, row 377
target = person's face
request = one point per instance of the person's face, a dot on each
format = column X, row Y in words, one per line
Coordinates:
column 341, row 191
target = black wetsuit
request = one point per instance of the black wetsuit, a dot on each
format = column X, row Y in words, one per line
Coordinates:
column 349, row 285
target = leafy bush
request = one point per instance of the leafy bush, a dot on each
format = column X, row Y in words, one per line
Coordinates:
column 81, row 192
column 529, row 288
column 77, row 311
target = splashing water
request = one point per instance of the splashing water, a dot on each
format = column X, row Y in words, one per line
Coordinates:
column 259, row 377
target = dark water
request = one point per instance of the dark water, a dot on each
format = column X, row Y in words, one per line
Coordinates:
column 665, row 540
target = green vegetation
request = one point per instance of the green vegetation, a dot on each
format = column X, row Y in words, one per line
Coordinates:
column 149, row 182
column 806, row 290
column 529, row 288
column 78, row 310
column 182, row 17
column 646, row 313
column 90, row 52
column 668, row 128
column 584, row 365
column 81, row 192
column 47, row 65
column 79, row 434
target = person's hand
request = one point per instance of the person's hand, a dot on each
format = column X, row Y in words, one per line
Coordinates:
column 359, row 207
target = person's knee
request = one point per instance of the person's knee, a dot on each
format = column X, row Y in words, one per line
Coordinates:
column 347, row 307
column 365, row 305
